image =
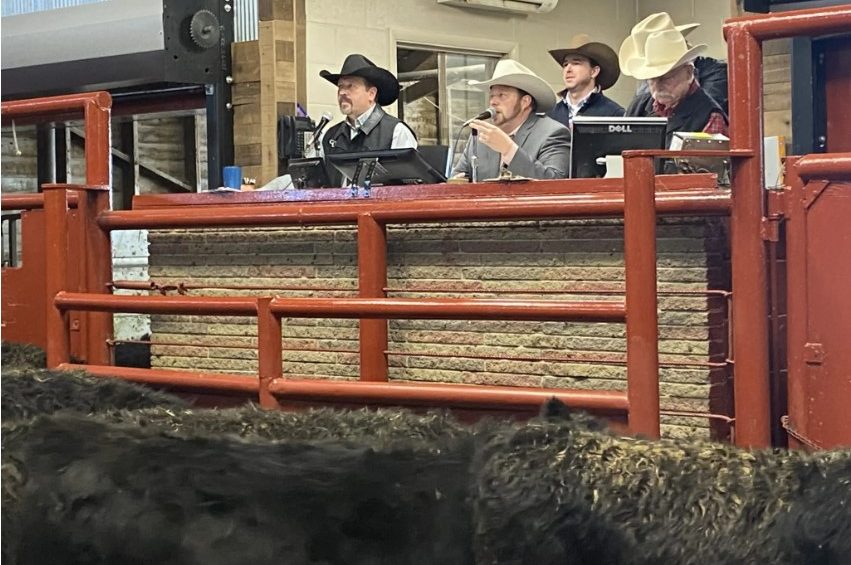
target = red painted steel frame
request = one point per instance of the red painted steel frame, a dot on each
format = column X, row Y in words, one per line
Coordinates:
column 483, row 208
column 95, row 252
column 372, row 279
column 819, row 308
column 750, row 280
column 642, row 328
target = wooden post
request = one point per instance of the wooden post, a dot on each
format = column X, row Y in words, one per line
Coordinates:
column 269, row 79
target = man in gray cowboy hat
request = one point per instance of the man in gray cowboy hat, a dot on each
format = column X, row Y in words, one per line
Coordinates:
column 362, row 88
column 657, row 51
column 588, row 68
column 518, row 139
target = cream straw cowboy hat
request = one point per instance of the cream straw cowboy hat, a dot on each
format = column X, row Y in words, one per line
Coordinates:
column 509, row 72
column 599, row 54
column 658, row 33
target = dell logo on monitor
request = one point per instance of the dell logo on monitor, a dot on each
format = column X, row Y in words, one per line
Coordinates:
column 618, row 128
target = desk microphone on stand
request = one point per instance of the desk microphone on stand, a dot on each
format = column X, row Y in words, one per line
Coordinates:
column 486, row 115
column 326, row 117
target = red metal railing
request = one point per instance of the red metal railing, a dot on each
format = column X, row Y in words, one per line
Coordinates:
column 91, row 253
column 373, row 308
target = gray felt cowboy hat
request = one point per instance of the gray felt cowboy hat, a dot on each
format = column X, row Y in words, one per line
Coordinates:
column 359, row 66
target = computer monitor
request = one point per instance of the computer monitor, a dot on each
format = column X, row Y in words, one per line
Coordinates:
column 595, row 137
column 307, row 173
column 393, row 167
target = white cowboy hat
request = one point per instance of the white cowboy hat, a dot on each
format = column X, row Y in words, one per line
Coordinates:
column 509, row 72
column 663, row 51
column 634, row 46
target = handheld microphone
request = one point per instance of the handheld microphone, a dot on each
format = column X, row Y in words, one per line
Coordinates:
column 326, row 117
column 486, row 115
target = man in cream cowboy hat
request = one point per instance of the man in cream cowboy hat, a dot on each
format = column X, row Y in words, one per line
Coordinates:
column 588, row 68
column 657, row 51
column 711, row 73
column 362, row 88
column 518, row 139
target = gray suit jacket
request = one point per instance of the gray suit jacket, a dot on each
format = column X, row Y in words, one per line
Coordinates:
column 543, row 152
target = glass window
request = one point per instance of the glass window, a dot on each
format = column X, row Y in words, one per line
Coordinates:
column 436, row 97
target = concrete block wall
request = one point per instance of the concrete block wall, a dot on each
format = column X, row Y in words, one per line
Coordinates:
column 480, row 259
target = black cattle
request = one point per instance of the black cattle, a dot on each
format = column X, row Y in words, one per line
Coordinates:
column 89, row 492
column 27, row 392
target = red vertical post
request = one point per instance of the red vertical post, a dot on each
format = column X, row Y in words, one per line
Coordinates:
column 270, row 357
column 97, row 272
column 796, row 303
column 96, row 266
column 372, row 278
column 56, row 272
column 750, row 280
column 642, row 323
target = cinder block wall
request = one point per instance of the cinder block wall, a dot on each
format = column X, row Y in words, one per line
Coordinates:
column 484, row 258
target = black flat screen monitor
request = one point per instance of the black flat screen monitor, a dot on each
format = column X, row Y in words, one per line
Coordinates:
column 595, row 137
column 307, row 173
column 394, row 167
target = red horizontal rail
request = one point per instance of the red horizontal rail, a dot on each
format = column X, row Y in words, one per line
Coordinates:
column 450, row 309
column 704, row 202
column 54, row 104
column 181, row 286
column 589, row 359
column 421, row 192
column 813, row 21
column 210, row 305
column 827, row 166
column 446, row 308
column 441, row 394
column 214, row 382
column 30, row 201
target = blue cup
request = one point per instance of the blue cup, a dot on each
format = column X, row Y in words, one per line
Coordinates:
column 232, row 177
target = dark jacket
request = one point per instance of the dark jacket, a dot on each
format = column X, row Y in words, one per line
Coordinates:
column 543, row 152
column 712, row 76
column 691, row 114
column 375, row 135
column 596, row 105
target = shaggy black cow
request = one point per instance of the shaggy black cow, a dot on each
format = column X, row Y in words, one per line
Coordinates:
column 90, row 492
column 559, row 492
column 20, row 355
column 27, row 392
column 816, row 528
column 376, row 428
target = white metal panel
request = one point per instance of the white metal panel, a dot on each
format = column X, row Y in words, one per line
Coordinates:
column 101, row 29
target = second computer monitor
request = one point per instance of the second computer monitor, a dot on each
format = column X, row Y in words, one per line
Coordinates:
column 393, row 167
column 595, row 138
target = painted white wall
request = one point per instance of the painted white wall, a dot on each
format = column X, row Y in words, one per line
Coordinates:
column 336, row 28
column 130, row 262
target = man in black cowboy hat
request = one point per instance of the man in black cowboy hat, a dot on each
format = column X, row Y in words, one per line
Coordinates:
column 588, row 68
column 362, row 88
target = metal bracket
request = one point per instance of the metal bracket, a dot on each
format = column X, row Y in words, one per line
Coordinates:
column 813, row 190
column 370, row 163
column 813, row 353
column 769, row 229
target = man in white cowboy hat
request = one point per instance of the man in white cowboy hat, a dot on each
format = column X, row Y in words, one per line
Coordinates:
column 588, row 68
column 711, row 73
column 362, row 88
column 657, row 51
column 518, row 139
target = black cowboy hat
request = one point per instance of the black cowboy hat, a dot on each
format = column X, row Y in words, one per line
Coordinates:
column 359, row 66
column 600, row 55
